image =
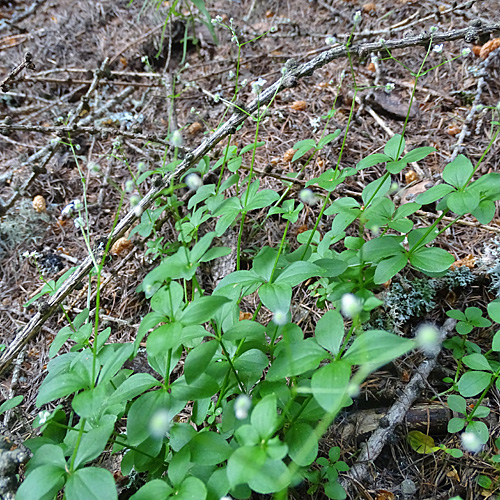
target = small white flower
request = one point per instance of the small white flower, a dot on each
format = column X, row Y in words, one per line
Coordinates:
column 234, row 39
column 68, row 210
column 353, row 390
column 433, row 29
column 192, row 110
column 176, row 139
column 217, row 97
column 350, row 305
column 257, row 85
column 117, row 144
column 226, row 497
column 160, row 423
column 374, row 59
column 140, row 166
column 134, row 200
column 280, row 318
column 43, row 416
column 382, row 41
column 242, row 405
column 77, row 147
column 470, row 442
column 428, row 339
column 129, row 186
column 438, row 48
column 79, row 223
column 307, row 196
column 466, row 52
column 315, row 122
column 231, row 74
column 330, row 40
column 389, row 87
column 193, row 182
column 93, row 167
column 138, row 211
column 243, row 83
column 357, row 17
column 273, row 29
column 479, row 107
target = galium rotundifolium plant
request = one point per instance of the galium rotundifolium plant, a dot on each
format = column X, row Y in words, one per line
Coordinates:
column 231, row 406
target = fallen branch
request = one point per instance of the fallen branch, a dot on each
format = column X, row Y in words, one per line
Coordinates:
column 292, row 73
column 360, row 471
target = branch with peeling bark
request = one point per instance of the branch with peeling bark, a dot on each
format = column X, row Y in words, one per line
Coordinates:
column 292, row 74
column 360, row 471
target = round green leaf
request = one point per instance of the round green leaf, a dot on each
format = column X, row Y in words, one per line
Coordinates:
column 43, row 483
column 330, row 331
column 191, row 488
column 244, row 464
column 91, row 483
column 463, row 202
column 458, row 172
column 377, row 347
column 329, row 385
column 198, row 359
column 434, row 260
column 273, row 476
column 296, row 438
column 157, row 488
column 388, row 268
column 209, row 448
column 473, row 382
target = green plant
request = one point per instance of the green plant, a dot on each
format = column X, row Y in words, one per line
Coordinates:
column 483, row 371
column 260, row 395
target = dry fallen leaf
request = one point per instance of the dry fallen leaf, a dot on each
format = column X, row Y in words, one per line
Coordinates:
column 384, row 495
column 369, row 7
column 245, row 315
column 194, row 128
column 39, row 204
column 476, row 50
column 371, row 67
column 120, row 245
column 468, row 261
column 288, row 156
column 489, row 47
column 299, row 105
column 453, row 130
column 410, row 176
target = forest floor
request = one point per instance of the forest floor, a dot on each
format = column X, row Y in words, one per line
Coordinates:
column 69, row 40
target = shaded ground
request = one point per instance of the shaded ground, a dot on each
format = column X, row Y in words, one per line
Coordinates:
column 69, row 41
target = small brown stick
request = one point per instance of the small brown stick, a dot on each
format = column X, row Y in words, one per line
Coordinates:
column 360, row 471
column 292, row 73
column 481, row 82
column 67, row 129
column 27, row 63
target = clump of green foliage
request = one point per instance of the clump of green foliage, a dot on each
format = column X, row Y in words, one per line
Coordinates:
column 260, row 395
